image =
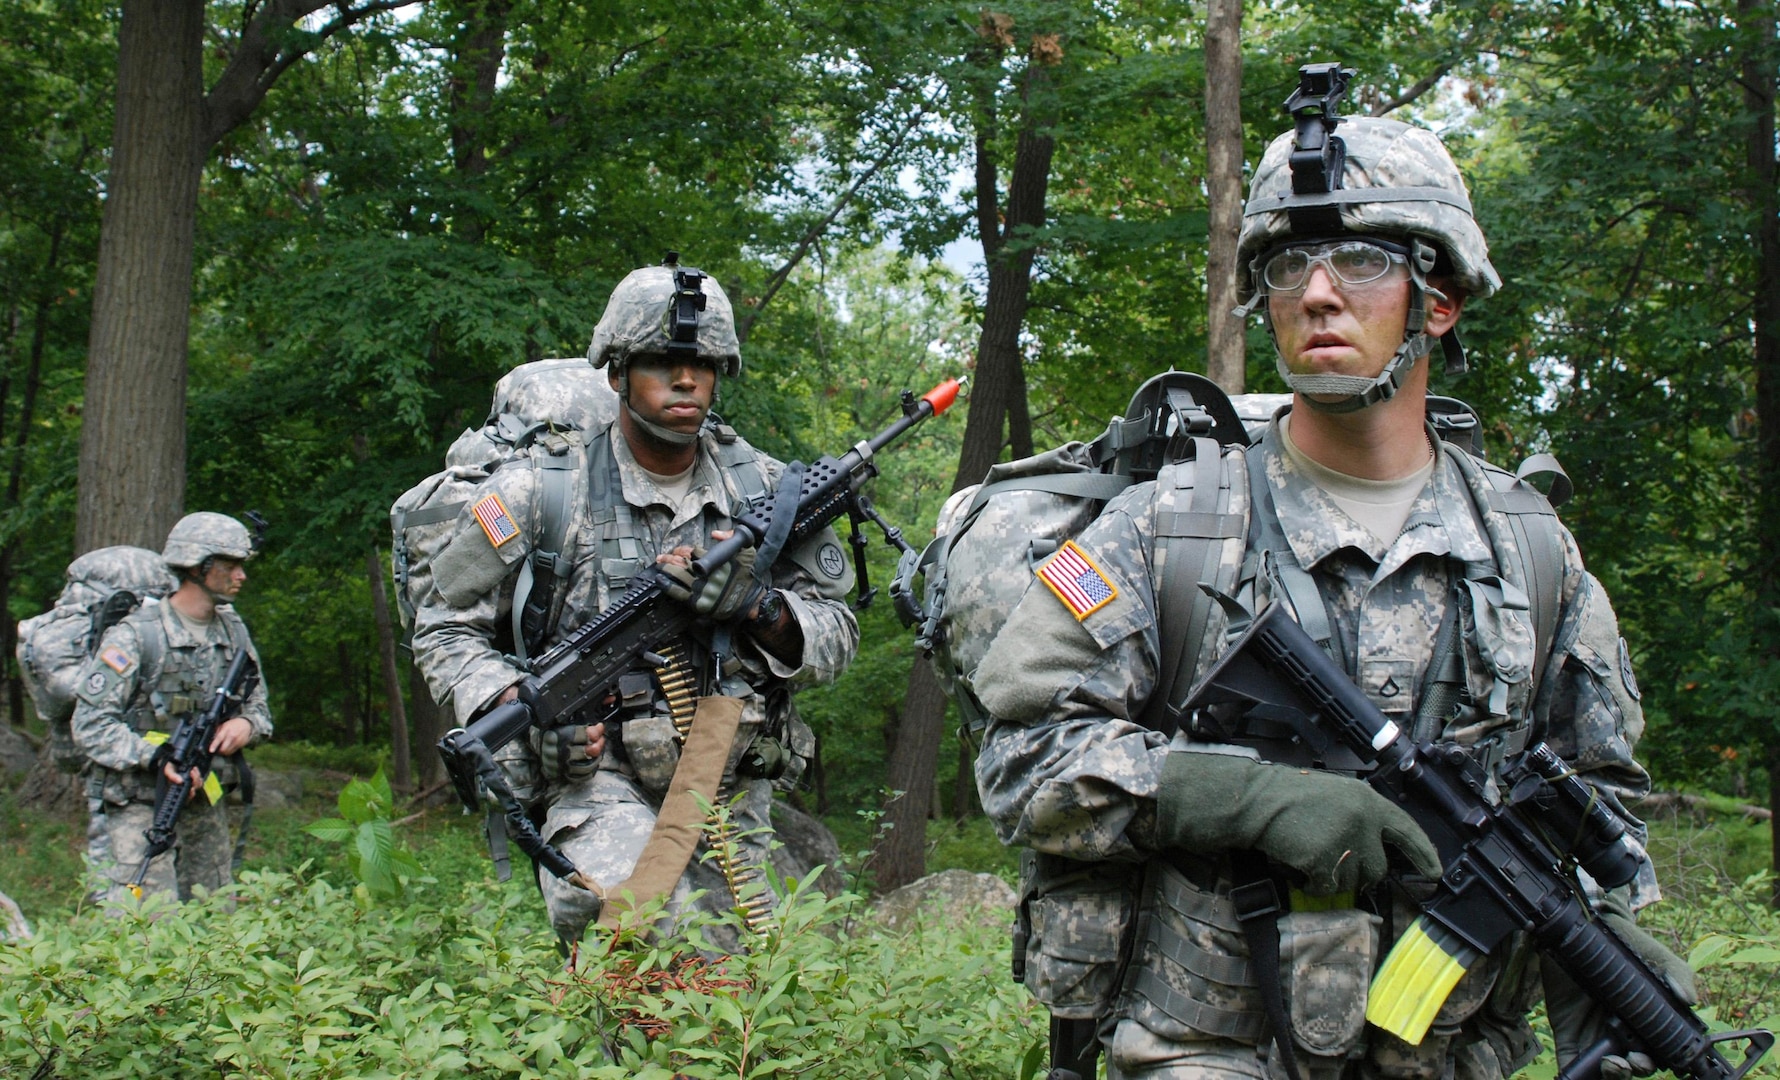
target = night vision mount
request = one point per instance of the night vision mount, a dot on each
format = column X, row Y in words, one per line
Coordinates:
column 1318, row 154
column 688, row 300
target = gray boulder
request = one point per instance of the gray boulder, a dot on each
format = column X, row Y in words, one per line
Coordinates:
column 804, row 844
column 953, row 897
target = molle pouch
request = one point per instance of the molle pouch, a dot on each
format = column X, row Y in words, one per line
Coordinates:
column 653, row 747
column 1325, row 960
column 1500, row 625
column 800, row 744
column 1076, row 914
column 1390, row 1058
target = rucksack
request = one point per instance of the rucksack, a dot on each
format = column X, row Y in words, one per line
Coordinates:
column 102, row 587
column 542, row 413
column 991, row 536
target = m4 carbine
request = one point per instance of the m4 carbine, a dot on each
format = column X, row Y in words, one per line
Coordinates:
column 575, row 679
column 1506, row 865
column 188, row 750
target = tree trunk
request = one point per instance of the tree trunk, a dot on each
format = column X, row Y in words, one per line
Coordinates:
column 349, row 694
column 964, row 792
column 424, row 717
column 403, row 778
column 1226, row 335
column 479, row 51
column 132, row 438
column 1756, row 20
column 998, row 393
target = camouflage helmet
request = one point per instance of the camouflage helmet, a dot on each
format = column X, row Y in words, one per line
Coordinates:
column 1398, row 180
column 196, row 537
column 663, row 310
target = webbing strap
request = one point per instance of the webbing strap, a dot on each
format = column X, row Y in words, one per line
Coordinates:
column 1258, row 908
column 1191, row 544
column 427, row 515
column 1241, row 1024
column 1300, row 588
column 1097, row 486
column 1528, row 544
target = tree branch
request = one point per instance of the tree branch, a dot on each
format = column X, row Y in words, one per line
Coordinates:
column 1422, row 86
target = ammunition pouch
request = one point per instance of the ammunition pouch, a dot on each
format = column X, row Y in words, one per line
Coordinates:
column 1071, row 931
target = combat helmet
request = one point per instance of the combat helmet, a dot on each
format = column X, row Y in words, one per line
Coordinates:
column 667, row 310
column 197, row 537
column 1379, row 178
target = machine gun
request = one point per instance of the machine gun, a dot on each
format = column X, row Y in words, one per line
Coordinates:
column 575, row 680
column 188, row 750
column 1507, row 865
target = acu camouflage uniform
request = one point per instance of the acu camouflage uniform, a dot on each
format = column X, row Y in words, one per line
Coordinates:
column 619, row 521
column 150, row 672
column 1069, row 770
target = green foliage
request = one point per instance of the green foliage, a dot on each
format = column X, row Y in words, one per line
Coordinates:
column 382, row 868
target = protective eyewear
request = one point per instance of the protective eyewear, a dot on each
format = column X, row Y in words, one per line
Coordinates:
column 1349, row 262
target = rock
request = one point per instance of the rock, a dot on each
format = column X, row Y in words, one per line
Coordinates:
column 17, row 755
column 13, row 926
column 804, row 844
column 950, row 896
column 276, row 788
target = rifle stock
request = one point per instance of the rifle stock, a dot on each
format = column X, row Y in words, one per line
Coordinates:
column 574, row 679
column 1505, row 864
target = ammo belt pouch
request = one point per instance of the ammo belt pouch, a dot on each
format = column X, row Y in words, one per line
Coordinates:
column 1071, row 930
column 1191, row 978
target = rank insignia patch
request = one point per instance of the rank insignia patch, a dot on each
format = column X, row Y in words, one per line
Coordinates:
column 491, row 514
column 1077, row 581
column 116, row 659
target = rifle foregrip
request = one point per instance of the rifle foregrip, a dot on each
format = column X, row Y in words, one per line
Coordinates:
column 1613, row 975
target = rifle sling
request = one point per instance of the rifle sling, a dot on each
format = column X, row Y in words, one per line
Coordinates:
column 677, row 826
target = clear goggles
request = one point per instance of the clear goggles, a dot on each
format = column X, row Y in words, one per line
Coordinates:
column 1350, row 262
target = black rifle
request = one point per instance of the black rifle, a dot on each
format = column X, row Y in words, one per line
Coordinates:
column 575, row 680
column 188, row 750
column 1507, row 865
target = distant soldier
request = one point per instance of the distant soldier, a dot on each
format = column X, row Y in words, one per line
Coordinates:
column 656, row 484
column 153, row 669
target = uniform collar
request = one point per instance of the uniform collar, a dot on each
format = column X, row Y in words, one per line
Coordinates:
column 179, row 635
column 1442, row 520
column 707, row 486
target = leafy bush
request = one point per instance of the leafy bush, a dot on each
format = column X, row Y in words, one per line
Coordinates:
column 381, row 867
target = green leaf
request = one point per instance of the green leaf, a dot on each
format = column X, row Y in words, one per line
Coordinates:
column 337, row 830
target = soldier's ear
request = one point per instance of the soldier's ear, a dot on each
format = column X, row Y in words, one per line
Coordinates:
column 1444, row 305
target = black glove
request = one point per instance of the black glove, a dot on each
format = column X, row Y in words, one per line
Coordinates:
column 562, row 751
column 1330, row 828
column 727, row 593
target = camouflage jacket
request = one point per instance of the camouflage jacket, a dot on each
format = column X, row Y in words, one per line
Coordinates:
column 1068, row 770
column 129, row 689
column 458, row 624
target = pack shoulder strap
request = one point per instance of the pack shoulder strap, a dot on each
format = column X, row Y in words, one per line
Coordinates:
column 1190, row 547
column 1527, row 538
column 553, row 502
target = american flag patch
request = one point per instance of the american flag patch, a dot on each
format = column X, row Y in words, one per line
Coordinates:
column 116, row 659
column 491, row 514
column 1077, row 581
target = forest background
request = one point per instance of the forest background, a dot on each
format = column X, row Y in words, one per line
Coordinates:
column 272, row 255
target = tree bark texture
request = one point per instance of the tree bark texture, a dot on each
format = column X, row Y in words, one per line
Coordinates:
column 1226, row 335
column 997, row 394
column 1756, row 20
column 15, row 687
column 424, row 719
column 132, row 441
column 403, row 778
column 479, row 52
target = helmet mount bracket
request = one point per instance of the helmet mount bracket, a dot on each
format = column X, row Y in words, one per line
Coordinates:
column 1318, row 154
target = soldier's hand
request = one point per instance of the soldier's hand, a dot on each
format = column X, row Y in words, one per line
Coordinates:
column 572, row 752
column 725, row 595
column 193, row 782
column 231, row 735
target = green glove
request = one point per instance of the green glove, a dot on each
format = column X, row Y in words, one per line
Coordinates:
column 1577, row 1020
column 1331, row 828
column 727, row 593
column 563, row 753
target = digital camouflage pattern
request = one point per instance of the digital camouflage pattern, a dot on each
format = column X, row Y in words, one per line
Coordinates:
column 126, row 693
column 635, row 322
column 462, row 618
column 196, row 537
column 1067, row 770
column 1381, row 153
column 564, row 393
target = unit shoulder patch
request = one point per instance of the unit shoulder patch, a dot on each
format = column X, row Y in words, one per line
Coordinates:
column 1074, row 579
column 491, row 513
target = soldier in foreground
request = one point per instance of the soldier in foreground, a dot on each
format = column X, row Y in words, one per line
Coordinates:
column 1216, row 900
column 157, row 667
column 654, row 487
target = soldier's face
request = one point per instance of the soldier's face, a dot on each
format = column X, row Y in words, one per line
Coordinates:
column 1334, row 329
column 673, row 392
column 225, row 577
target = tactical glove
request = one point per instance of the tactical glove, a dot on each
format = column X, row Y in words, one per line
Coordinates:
column 1332, row 829
column 563, row 754
column 727, row 593
column 1577, row 1020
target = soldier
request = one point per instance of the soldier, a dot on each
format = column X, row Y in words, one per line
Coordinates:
column 152, row 670
column 1155, row 859
column 654, row 486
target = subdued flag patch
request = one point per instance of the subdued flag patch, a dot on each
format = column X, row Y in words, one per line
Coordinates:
column 491, row 514
column 116, row 659
column 1077, row 581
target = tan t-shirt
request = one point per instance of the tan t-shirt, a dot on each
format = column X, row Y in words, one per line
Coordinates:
column 1382, row 506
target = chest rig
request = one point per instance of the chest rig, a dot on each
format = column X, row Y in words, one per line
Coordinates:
column 177, row 682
